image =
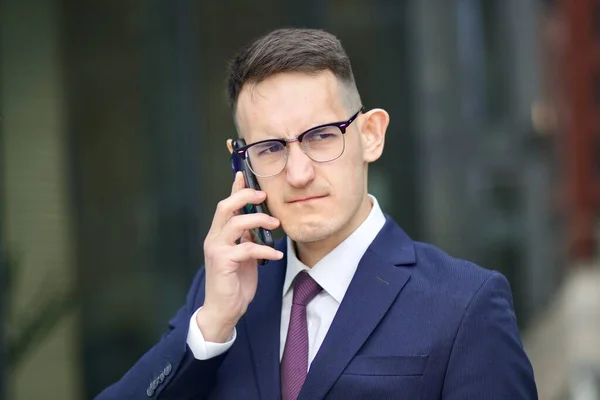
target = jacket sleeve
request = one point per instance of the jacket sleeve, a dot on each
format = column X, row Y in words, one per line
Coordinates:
column 487, row 360
column 169, row 370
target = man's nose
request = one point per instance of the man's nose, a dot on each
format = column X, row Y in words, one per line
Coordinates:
column 300, row 169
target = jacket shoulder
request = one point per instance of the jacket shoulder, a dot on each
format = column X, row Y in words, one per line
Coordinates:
column 451, row 277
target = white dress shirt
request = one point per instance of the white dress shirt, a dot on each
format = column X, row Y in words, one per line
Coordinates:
column 333, row 273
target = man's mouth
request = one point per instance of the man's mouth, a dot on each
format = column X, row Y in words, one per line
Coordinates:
column 306, row 199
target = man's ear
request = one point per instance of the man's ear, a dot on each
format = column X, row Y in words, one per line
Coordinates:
column 373, row 128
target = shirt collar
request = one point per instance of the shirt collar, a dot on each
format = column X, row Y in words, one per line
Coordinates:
column 335, row 271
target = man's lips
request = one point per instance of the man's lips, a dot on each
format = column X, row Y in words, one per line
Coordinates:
column 306, row 199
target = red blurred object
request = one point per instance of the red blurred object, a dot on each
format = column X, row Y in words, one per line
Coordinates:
column 578, row 101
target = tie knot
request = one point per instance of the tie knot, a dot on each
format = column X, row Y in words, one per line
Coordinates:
column 305, row 289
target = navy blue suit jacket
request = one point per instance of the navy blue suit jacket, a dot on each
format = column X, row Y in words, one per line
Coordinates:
column 415, row 323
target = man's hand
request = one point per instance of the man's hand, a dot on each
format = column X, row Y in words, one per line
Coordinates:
column 231, row 268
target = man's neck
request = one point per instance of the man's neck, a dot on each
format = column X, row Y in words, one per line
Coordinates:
column 311, row 253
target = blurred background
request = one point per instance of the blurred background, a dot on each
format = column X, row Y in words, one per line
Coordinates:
column 113, row 121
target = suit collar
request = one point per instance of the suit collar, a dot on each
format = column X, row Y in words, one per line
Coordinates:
column 380, row 277
column 394, row 245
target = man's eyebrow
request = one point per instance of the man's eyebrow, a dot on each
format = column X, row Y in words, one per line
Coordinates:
column 269, row 136
column 319, row 126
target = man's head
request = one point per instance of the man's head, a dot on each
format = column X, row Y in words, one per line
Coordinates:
column 281, row 86
column 291, row 50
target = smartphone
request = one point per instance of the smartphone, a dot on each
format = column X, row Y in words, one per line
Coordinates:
column 261, row 235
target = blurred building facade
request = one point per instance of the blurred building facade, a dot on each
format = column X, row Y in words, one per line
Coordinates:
column 114, row 120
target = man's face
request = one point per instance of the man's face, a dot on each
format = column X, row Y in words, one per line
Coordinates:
column 313, row 200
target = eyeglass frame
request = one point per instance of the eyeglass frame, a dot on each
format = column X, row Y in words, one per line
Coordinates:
column 242, row 152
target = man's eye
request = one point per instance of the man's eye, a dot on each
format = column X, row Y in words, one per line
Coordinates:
column 270, row 148
column 324, row 136
column 321, row 136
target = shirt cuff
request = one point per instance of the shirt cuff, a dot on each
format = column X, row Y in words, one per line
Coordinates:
column 201, row 349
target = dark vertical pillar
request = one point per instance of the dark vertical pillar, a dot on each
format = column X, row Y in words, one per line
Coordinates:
column 171, row 111
column 132, row 73
column 111, row 217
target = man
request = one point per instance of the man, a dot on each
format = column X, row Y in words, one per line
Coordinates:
column 348, row 307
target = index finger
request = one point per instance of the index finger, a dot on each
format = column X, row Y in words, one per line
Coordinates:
column 231, row 206
column 238, row 183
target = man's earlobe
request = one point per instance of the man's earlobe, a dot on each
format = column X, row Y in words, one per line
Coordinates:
column 373, row 129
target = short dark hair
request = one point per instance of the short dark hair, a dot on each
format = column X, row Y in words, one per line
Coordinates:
column 288, row 50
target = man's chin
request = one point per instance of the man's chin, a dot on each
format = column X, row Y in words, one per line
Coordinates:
column 307, row 230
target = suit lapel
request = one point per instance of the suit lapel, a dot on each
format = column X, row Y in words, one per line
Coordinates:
column 263, row 325
column 376, row 284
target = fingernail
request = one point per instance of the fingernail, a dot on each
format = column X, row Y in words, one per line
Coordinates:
column 274, row 220
column 280, row 254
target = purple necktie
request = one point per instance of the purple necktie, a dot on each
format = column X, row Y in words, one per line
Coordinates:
column 294, row 364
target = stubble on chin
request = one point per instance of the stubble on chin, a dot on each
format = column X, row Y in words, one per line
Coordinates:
column 311, row 230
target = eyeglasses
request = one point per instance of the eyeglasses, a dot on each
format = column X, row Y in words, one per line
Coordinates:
column 323, row 143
